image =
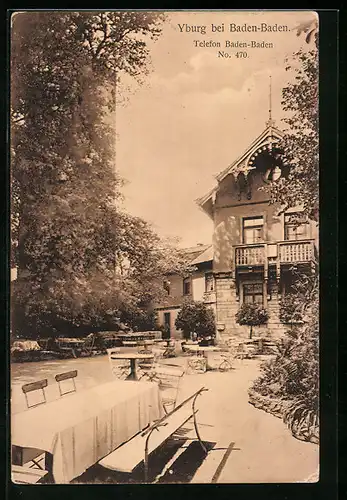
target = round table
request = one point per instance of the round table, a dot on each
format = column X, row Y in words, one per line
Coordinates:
column 132, row 356
column 202, row 349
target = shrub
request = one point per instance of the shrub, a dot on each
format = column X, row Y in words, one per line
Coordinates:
column 196, row 317
column 251, row 315
column 293, row 374
column 290, row 309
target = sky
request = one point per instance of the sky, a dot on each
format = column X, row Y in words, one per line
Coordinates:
column 196, row 113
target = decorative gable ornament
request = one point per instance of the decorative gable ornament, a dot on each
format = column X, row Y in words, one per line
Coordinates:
column 245, row 164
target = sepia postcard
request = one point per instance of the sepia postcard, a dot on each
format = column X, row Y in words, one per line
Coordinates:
column 164, row 247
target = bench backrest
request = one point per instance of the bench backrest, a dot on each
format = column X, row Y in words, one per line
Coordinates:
column 162, row 420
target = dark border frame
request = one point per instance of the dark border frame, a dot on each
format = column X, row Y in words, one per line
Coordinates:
column 327, row 486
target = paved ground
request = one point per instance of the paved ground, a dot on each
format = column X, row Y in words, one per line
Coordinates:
column 246, row 445
column 252, row 446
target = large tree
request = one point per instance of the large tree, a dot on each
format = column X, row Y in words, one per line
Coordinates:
column 294, row 372
column 64, row 73
column 81, row 261
column 300, row 143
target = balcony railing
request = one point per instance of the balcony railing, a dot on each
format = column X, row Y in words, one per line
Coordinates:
column 295, row 251
column 209, row 297
column 250, row 255
column 280, row 252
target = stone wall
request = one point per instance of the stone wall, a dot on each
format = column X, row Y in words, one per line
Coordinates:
column 274, row 325
column 228, row 303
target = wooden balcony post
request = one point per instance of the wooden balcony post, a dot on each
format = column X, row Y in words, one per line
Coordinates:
column 265, row 293
column 266, row 274
column 278, row 263
column 266, row 262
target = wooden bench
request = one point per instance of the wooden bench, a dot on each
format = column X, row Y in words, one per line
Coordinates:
column 28, row 475
column 138, row 449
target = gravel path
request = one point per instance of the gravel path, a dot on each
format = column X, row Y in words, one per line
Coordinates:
column 247, row 445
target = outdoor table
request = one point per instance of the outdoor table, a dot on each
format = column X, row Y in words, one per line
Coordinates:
column 132, row 356
column 145, row 344
column 199, row 349
column 204, row 352
column 69, row 340
column 77, row 430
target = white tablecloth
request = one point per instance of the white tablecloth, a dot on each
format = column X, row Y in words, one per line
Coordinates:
column 81, row 428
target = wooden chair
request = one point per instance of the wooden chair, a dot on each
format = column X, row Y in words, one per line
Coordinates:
column 30, row 458
column 242, row 352
column 27, row 475
column 226, row 361
column 145, row 368
column 64, row 379
column 145, row 346
column 119, row 368
column 196, row 364
column 88, row 345
column 168, row 378
column 32, row 387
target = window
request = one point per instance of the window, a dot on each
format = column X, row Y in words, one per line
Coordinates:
column 253, row 230
column 186, row 286
column 253, row 293
column 209, row 282
column 167, row 325
column 166, row 286
column 295, row 227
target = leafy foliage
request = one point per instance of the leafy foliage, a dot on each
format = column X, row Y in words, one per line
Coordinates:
column 82, row 262
column 290, row 309
column 251, row 315
column 196, row 317
column 300, row 144
column 293, row 374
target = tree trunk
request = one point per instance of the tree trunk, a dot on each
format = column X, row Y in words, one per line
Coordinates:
column 251, row 332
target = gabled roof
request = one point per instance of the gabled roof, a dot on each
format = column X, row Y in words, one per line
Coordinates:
column 194, row 252
column 271, row 135
column 205, row 256
column 198, row 254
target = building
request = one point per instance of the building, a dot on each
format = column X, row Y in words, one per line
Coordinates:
column 199, row 286
column 254, row 248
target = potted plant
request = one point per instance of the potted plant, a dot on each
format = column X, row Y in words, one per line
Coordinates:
column 196, row 317
column 251, row 315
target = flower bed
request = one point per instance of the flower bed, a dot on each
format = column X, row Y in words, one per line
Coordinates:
column 275, row 406
column 284, row 408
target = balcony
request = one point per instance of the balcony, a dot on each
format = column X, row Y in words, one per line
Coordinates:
column 295, row 251
column 250, row 255
column 282, row 252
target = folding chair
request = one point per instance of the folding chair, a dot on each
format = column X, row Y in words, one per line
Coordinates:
column 119, row 368
column 226, row 362
column 34, row 458
column 145, row 368
column 35, row 386
column 196, row 364
column 168, row 378
column 31, row 458
column 64, row 379
column 145, row 346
